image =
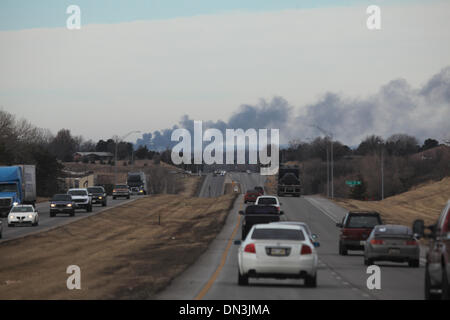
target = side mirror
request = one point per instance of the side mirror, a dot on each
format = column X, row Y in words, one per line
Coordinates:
column 339, row 225
column 281, row 212
column 241, row 212
column 316, row 244
column 237, row 242
column 418, row 228
column 314, row 236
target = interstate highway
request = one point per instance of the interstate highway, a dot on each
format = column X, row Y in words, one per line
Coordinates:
column 214, row 275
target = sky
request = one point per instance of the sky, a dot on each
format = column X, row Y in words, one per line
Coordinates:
column 150, row 65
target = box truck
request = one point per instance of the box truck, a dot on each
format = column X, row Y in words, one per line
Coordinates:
column 17, row 186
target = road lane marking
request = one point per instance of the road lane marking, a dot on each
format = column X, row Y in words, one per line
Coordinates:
column 316, row 205
column 216, row 273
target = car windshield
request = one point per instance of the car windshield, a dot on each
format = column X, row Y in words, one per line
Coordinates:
column 95, row 190
column 22, row 209
column 8, row 187
column 62, row 197
column 267, row 201
column 362, row 221
column 77, row 192
column 121, row 186
column 278, row 234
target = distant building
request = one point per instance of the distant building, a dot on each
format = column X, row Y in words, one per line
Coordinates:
column 93, row 156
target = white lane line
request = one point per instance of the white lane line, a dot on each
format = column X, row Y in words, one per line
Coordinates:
column 316, row 205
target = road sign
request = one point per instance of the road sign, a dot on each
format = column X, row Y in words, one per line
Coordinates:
column 352, row 183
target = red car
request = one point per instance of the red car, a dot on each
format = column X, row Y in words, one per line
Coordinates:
column 437, row 268
column 251, row 195
column 355, row 229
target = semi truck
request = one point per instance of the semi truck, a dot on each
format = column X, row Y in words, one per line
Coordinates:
column 137, row 182
column 289, row 181
column 17, row 186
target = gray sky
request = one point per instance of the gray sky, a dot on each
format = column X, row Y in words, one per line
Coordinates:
column 110, row 79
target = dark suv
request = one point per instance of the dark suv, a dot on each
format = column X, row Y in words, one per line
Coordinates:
column 98, row 195
column 437, row 269
column 356, row 227
column 62, row 203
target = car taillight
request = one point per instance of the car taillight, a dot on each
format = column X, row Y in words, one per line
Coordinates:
column 114, row 190
column 250, row 248
column 411, row 243
column 376, row 241
column 306, row 249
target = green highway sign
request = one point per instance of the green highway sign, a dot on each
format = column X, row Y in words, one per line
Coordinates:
column 352, row 183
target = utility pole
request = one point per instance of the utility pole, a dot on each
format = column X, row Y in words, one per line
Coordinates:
column 382, row 173
column 117, row 139
column 329, row 135
column 328, row 173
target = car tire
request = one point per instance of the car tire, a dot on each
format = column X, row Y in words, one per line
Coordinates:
column 342, row 249
column 114, row 198
column 104, row 204
column 311, row 281
column 444, row 289
column 242, row 279
column 72, row 213
column 10, row 225
column 428, row 294
column 52, row 214
column 414, row 263
column 35, row 224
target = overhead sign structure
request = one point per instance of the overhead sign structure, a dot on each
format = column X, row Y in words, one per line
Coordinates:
column 352, row 183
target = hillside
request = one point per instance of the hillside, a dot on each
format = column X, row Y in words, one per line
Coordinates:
column 422, row 202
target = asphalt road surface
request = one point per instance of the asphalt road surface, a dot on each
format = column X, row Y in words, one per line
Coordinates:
column 214, row 275
column 212, row 186
column 47, row 223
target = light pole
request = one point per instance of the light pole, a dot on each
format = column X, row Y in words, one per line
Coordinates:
column 117, row 139
column 329, row 135
column 382, row 168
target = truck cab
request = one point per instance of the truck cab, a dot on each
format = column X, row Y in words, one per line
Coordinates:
column 17, row 186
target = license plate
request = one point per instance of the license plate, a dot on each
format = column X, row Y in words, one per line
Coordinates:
column 278, row 252
column 394, row 251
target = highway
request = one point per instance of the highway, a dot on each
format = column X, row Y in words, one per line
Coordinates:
column 212, row 186
column 47, row 223
column 214, row 274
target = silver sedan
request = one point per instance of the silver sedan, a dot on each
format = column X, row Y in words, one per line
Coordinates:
column 394, row 243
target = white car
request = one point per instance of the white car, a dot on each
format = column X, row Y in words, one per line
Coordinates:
column 277, row 251
column 81, row 198
column 23, row 214
column 268, row 201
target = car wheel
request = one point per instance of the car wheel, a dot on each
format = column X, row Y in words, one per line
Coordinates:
column 444, row 289
column 10, row 225
column 311, row 281
column 414, row 263
column 104, row 204
column 428, row 294
column 114, row 198
column 128, row 197
column 242, row 279
column 72, row 213
column 342, row 249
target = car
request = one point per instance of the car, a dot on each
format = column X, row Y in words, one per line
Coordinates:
column 279, row 251
column 312, row 236
column 394, row 243
column 121, row 190
column 62, row 203
column 356, row 227
column 99, row 195
column 251, row 196
column 254, row 214
column 134, row 190
column 23, row 214
column 268, row 201
column 81, row 198
column 437, row 266
column 260, row 190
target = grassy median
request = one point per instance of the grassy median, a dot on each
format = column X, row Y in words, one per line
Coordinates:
column 129, row 252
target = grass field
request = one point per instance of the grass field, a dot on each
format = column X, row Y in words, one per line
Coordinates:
column 423, row 202
column 128, row 252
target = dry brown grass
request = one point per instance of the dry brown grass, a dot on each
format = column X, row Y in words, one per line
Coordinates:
column 423, row 202
column 123, row 252
column 271, row 184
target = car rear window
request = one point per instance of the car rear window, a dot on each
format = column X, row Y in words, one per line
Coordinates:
column 267, row 201
column 121, row 186
column 362, row 221
column 393, row 231
column 95, row 190
column 62, row 197
column 278, row 234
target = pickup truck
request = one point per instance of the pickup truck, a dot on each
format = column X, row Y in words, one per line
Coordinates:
column 356, row 227
column 254, row 214
column 437, row 267
column 17, row 186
